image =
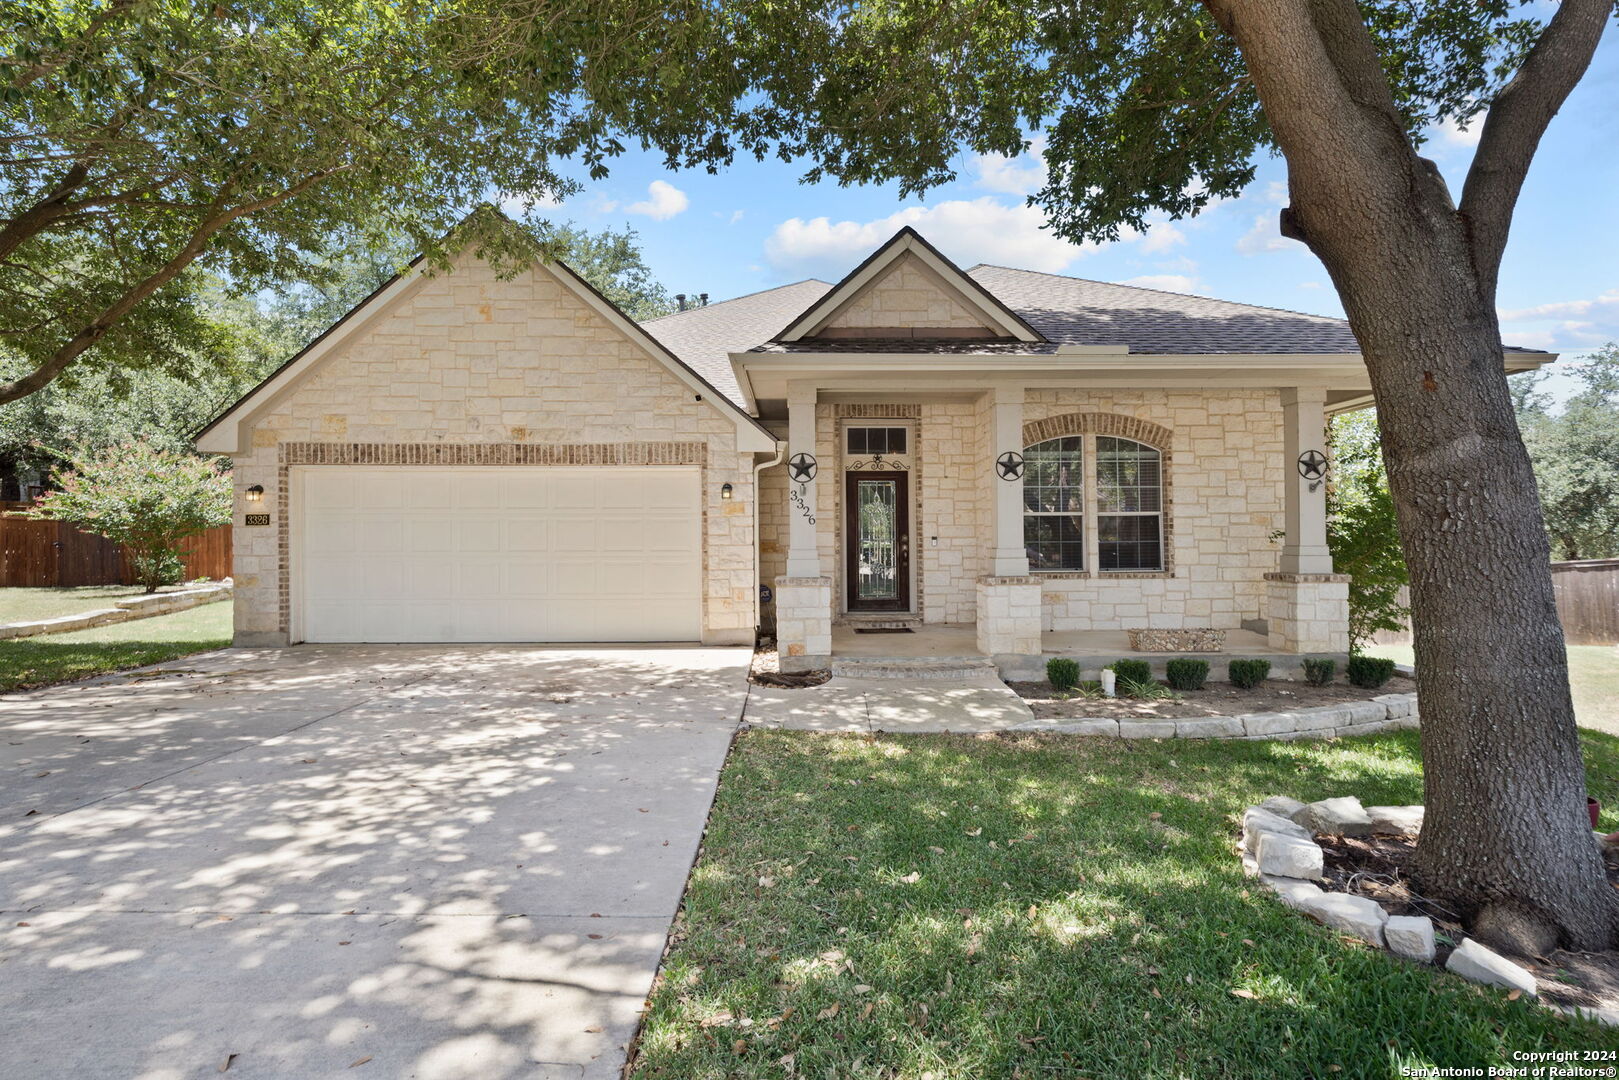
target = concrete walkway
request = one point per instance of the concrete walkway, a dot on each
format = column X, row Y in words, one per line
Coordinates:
column 444, row 863
column 982, row 703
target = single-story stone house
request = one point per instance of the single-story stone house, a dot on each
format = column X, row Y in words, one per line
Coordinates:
column 1015, row 463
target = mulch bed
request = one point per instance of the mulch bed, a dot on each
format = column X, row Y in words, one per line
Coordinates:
column 1215, row 699
column 766, row 670
column 1376, row 867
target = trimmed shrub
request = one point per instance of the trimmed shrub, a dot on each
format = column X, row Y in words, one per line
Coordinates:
column 1062, row 673
column 1136, row 671
column 1370, row 672
column 1247, row 674
column 1319, row 670
column 1186, row 673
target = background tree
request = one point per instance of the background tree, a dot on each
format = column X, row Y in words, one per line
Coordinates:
column 1159, row 106
column 1575, row 452
column 1362, row 529
column 167, row 398
column 144, row 140
column 142, row 497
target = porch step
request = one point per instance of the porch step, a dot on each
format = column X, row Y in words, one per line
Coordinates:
column 881, row 622
column 900, row 667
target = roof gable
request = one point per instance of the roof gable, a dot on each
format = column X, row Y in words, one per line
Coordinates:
column 227, row 434
column 907, row 289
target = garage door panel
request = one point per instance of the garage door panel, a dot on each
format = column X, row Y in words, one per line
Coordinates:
column 511, row 553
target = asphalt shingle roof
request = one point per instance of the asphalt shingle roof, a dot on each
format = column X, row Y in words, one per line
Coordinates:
column 1066, row 310
column 703, row 337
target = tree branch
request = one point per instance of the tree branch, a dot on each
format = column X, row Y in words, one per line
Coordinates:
column 76, row 346
column 1516, row 121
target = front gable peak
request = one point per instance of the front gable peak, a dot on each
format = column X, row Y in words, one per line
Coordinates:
column 907, row 289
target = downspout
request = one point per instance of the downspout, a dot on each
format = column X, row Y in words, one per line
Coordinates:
column 758, row 562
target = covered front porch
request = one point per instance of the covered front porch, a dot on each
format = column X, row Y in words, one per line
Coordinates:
column 1018, row 520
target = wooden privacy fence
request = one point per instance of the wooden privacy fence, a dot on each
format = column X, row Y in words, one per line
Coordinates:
column 1587, row 592
column 35, row 553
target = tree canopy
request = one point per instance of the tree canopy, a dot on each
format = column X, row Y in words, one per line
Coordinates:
column 1575, row 451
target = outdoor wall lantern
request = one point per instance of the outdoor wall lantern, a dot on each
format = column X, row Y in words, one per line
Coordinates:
column 255, row 494
column 725, row 491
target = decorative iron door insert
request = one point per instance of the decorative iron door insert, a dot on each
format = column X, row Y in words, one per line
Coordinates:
column 877, row 541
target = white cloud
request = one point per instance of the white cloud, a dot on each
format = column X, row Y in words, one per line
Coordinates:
column 519, row 204
column 979, row 230
column 1450, row 132
column 1180, row 283
column 1564, row 324
column 663, row 201
column 1162, row 236
column 1265, row 235
column 1022, row 175
column 1311, row 285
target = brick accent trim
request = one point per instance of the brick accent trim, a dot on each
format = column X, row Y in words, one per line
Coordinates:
column 1094, row 423
column 876, row 411
column 289, row 454
column 1120, row 426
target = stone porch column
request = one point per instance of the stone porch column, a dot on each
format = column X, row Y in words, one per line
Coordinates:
column 803, row 594
column 1008, row 608
column 1307, row 604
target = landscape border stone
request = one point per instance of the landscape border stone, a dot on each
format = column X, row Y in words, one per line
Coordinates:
column 1382, row 713
column 139, row 607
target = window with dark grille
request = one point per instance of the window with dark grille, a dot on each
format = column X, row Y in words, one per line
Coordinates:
column 876, row 440
column 1054, row 504
column 1129, row 505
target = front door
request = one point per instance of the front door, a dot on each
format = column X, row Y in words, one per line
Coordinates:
column 877, row 541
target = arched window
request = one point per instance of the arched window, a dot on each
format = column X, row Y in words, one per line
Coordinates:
column 1129, row 505
column 1054, row 504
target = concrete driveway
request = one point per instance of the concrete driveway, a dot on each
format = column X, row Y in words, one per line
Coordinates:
column 434, row 862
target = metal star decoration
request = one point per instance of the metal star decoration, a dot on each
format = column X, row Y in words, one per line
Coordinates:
column 1312, row 464
column 1009, row 465
column 802, row 467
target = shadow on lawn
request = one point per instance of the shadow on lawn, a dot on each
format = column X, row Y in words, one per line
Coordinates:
column 1077, row 909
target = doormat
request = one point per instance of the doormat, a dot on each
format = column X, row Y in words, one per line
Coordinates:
column 883, row 630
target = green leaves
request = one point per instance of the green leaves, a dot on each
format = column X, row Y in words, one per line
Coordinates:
column 1362, row 530
column 144, row 498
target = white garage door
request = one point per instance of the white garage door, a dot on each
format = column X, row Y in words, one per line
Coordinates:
column 505, row 553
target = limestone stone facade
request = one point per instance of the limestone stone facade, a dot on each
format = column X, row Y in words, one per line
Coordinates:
column 1223, row 492
column 472, row 369
column 907, row 295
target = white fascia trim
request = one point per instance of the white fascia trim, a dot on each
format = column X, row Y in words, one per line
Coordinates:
column 225, row 435
column 969, row 290
column 1000, row 363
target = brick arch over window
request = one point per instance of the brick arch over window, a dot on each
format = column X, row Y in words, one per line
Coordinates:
column 1123, row 427
column 1096, row 423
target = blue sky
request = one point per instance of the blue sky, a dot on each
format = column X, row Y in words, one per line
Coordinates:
column 755, row 225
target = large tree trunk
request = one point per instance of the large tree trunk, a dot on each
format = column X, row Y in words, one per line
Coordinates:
column 1505, row 841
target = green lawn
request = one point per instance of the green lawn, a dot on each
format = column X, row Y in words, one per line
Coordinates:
column 1046, row 906
column 1593, row 675
column 26, row 605
column 51, row 658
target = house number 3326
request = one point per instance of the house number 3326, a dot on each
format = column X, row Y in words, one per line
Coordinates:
column 802, row 506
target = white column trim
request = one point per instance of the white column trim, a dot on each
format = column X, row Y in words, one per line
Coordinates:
column 1304, row 428
column 803, row 552
column 1008, row 555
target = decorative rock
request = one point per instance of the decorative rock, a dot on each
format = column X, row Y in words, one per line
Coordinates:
column 1256, row 821
column 1357, row 915
column 1321, row 718
column 1399, row 706
column 1214, row 727
column 1291, row 891
column 1195, row 639
column 1411, row 937
column 1288, row 856
column 1147, row 729
column 1271, row 723
column 1338, row 817
column 1282, row 806
column 1395, row 819
column 1474, row 961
